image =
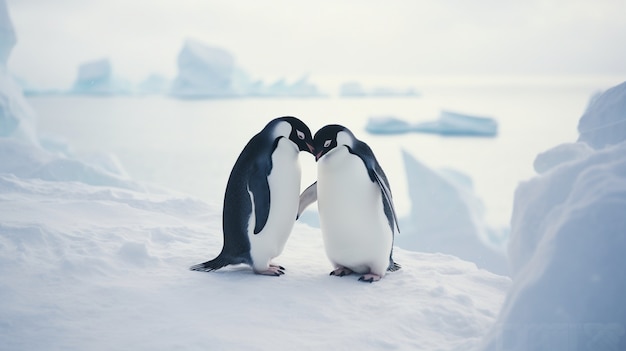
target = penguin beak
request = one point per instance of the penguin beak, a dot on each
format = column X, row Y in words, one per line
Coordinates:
column 311, row 148
column 318, row 155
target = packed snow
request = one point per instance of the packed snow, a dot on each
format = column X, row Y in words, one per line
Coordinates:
column 449, row 124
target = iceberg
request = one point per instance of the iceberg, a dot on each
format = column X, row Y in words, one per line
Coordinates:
column 96, row 78
column 356, row 89
column 7, row 35
column 203, row 72
column 458, row 124
column 447, row 217
column 566, row 249
column 17, row 119
column 387, row 125
column 448, row 124
column 154, row 84
column 301, row 87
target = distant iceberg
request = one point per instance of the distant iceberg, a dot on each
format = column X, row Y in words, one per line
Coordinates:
column 210, row 72
column 447, row 217
column 203, row 71
column 154, row 84
column 449, row 124
column 356, row 89
column 96, row 78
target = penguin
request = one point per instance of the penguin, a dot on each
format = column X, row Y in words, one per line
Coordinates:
column 261, row 198
column 356, row 210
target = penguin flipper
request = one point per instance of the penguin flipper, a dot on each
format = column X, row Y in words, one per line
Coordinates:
column 260, row 189
column 308, row 196
column 384, row 188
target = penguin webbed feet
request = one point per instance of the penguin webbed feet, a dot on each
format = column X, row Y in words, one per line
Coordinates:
column 272, row 270
column 341, row 271
column 369, row 278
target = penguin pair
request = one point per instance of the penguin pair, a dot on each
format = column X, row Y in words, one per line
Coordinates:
column 261, row 201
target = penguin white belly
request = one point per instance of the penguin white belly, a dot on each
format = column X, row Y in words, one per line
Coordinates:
column 355, row 229
column 284, row 184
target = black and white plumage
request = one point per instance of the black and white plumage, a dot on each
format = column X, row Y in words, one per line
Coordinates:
column 261, row 198
column 357, row 215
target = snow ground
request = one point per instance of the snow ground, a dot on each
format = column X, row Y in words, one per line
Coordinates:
column 101, row 268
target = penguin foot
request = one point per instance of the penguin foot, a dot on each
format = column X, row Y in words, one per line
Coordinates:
column 273, row 270
column 341, row 271
column 277, row 266
column 369, row 278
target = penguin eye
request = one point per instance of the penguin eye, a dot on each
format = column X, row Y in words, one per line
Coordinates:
column 327, row 143
column 300, row 134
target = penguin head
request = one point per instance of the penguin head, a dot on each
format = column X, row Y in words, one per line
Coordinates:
column 295, row 130
column 329, row 137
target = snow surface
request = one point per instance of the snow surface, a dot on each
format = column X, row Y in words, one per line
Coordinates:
column 449, row 123
column 567, row 243
column 88, row 267
column 446, row 216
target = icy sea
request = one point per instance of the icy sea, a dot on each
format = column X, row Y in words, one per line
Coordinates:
column 189, row 145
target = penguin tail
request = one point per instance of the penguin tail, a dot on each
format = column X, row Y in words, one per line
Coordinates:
column 393, row 266
column 211, row 265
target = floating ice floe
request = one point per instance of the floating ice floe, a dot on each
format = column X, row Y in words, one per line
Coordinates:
column 448, row 124
column 566, row 249
column 446, row 216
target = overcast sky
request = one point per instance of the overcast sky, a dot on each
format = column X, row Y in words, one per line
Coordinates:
column 326, row 37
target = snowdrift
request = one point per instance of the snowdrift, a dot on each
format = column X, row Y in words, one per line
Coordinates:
column 567, row 244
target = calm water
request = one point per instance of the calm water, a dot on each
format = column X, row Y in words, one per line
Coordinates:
column 190, row 146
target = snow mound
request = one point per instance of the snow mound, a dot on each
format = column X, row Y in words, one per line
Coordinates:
column 448, row 124
column 203, row 71
column 27, row 161
column 604, row 121
column 108, row 267
column 447, row 217
column 559, row 154
column 567, row 255
column 566, row 251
